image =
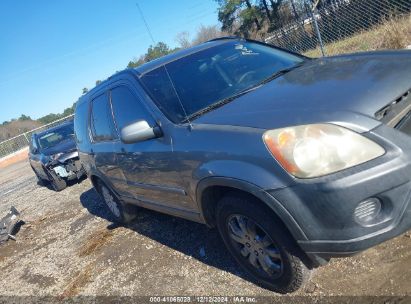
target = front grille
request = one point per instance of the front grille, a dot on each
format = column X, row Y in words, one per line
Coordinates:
column 397, row 113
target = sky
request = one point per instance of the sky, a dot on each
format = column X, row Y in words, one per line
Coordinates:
column 50, row 50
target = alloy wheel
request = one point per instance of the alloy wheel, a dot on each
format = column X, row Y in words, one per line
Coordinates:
column 255, row 245
column 110, row 201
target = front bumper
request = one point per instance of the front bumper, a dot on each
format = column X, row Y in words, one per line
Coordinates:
column 68, row 166
column 324, row 207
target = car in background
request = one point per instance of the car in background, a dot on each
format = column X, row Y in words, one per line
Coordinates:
column 53, row 156
column 295, row 160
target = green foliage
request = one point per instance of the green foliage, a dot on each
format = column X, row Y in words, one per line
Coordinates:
column 24, row 117
column 246, row 17
column 153, row 52
column 52, row 117
column 138, row 62
column 157, row 51
column 227, row 13
column 21, row 118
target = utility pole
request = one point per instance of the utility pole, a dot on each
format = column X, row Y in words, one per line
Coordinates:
column 146, row 24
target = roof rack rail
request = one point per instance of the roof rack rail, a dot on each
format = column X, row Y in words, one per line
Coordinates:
column 224, row 37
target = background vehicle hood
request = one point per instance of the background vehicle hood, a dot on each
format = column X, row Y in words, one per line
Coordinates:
column 349, row 88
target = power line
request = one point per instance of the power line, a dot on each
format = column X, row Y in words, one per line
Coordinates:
column 145, row 22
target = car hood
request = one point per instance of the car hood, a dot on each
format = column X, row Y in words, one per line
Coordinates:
column 65, row 146
column 349, row 89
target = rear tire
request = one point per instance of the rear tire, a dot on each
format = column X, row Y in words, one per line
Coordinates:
column 122, row 212
column 261, row 244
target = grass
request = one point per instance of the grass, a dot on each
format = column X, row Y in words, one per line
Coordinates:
column 392, row 34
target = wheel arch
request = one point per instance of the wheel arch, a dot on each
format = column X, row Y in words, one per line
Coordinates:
column 96, row 178
column 210, row 190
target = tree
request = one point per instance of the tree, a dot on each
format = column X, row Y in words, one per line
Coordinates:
column 183, row 39
column 252, row 14
column 159, row 50
column 264, row 4
column 153, row 52
column 48, row 118
column 69, row 111
column 248, row 18
column 206, row 33
column 227, row 13
column 240, row 17
column 24, row 117
column 137, row 62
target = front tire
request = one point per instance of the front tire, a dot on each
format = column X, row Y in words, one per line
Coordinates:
column 57, row 183
column 40, row 180
column 261, row 244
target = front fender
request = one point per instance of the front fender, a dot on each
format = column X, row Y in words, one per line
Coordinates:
column 256, row 191
column 236, row 169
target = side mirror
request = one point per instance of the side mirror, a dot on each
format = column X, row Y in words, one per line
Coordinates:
column 139, row 131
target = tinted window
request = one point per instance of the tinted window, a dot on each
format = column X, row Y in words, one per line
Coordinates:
column 101, row 119
column 126, row 107
column 80, row 122
column 212, row 75
column 162, row 92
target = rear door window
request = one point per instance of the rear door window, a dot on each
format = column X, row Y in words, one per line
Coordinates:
column 127, row 108
column 80, row 122
column 102, row 126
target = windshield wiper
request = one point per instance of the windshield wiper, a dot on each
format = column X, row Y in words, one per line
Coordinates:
column 218, row 104
column 231, row 98
column 280, row 73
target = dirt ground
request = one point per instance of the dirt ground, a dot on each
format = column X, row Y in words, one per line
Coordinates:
column 68, row 246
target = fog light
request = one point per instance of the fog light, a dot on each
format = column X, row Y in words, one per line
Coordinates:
column 367, row 211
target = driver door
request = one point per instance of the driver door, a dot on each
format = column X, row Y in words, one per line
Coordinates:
column 148, row 166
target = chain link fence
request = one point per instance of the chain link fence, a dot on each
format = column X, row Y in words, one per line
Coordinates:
column 22, row 141
column 307, row 28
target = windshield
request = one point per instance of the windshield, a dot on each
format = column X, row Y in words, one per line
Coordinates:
column 56, row 136
column 188, row 85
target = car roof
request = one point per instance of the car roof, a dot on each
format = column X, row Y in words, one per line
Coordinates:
column 151, row 65
column 66, row 123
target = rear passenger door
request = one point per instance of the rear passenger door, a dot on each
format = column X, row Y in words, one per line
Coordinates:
column 104, row 137
column 148, row 166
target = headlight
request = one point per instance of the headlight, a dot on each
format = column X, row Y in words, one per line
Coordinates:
column 319, row 149
column 56, row 156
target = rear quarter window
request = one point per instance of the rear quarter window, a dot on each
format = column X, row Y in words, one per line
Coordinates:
column 80, row 123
